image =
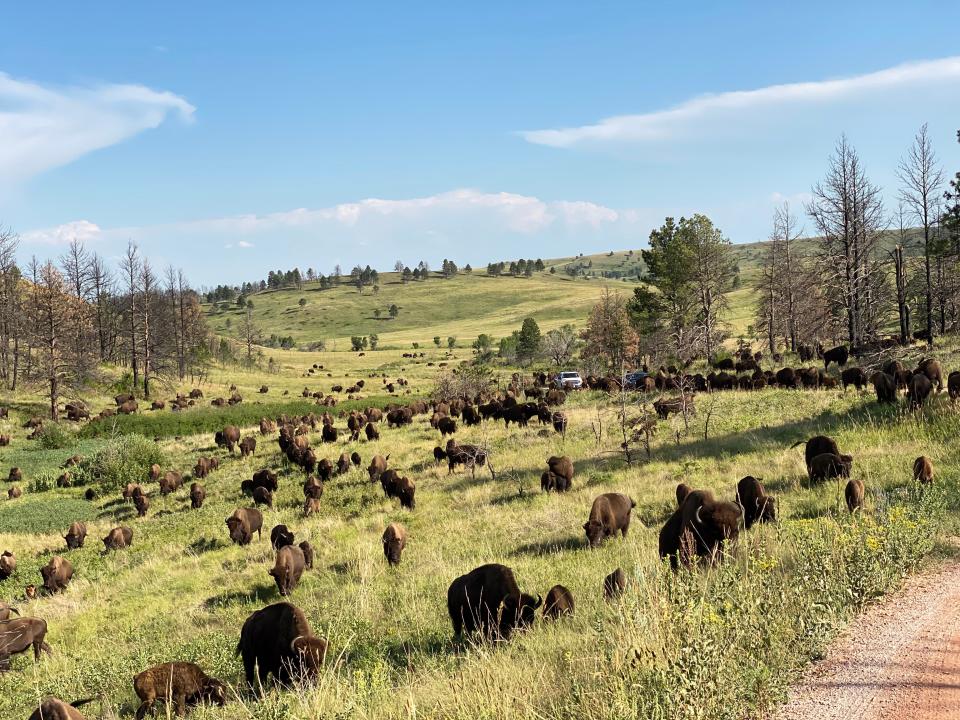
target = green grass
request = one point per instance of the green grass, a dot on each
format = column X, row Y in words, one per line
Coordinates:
column 718, row 644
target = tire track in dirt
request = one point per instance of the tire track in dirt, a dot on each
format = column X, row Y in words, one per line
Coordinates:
column 899, row 660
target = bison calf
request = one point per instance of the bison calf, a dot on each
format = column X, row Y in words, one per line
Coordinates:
column 118, row 538
column 559, row 602
column 923, row 470
column 179, row 683
column 854, row 494
column 609, row 515
column 615, row 584
column 394, row 542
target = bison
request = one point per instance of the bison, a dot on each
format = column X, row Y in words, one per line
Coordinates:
column 56, row 574
column 700, row 527
column 394, row 541
column 76, row 535
column 288, row 568
column 953, row 385
column 817, row 445
column 838, row 355
column 559, row 602
column 278, row 641
column 280, row 537
column 118, row 538
column 19, row 635
column 197, row 495
column 248, row 446
column 243, row 524
column 377, row 465
column 828, row 465
column 142, row 503
column 307, row 549
column 487, row 599
column 56, row 709
column 682, row 491
column 854, row 376
column 228, row 437
column 5, row 611
column 170, row 482
column 14, row 492
column 757, row 505
column 559, row 475
column 918, row 389
column 854, row 494
column 615, row 584
column 609, row 515
column 885, row 387
column 8, row 564
column 923, row 470
column 181, row 683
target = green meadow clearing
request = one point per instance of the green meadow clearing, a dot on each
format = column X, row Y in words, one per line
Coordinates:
column 708, row 643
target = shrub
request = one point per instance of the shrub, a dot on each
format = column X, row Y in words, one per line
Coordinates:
column 123, row 459
column 54, row 437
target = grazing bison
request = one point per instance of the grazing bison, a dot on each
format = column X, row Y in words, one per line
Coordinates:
column 179, row 683
column 934, row 372
column 559, row 421
column 559, row 602
column 355, row 459
column 439, row 455
column 817, row 445
column 343, row 464
column 838, row 355
column 14, row 492
column 854, row 494
column 288, row 568
column 828, row 465
column 664, row 407
column 757, row 505
column 559, row 475
column 885, row 386
column 118, row 538
column 197, row 495
column 19, row 635
column 204, row 467
column 487, row 599
column 262, row 496
column 278, row 641
column 918, row 390
column 5, row 611
column 394, row 542
column 170, row 482
column 953, row 385
column 854, row 376
column 372, row 432
column 128, row 408
column 248, row 446
column 280, row 537
column 142, row 503
column 56, row 574
column 699, row 528
column 56, row 709
column 609, row 515
column 76, row 535
column 682, row 491
column 923, row 470
column 468, row 455
column 615, row 584
column 243, row 524
column 377, row 465
column 328, row 434
column 267, row 426
column 228, row 437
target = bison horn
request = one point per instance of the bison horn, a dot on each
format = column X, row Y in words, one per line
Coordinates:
column 293, row 643
column 696, row 516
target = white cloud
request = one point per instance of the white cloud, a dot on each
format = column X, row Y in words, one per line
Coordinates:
column 82, row 230
column 245, row 244
column 46, row 127
column 723, row 112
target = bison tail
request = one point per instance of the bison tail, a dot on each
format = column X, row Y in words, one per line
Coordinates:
column 633, row 503
column 81, row 703
column 798, row 443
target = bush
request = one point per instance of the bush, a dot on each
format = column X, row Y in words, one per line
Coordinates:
column 54, row 437
column 123, row 459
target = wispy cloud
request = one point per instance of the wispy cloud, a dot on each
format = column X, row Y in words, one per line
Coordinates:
column 44, row 127
column 82, row 230
column 715, row 113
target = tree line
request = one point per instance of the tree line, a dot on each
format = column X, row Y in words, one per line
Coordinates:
column 60, row 320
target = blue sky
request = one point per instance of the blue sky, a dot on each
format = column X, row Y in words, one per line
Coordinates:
column 228, row 140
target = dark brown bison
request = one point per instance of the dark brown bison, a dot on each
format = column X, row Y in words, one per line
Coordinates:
column 355, row 459
column 128, row 408
column 923, row 470
column 178, row 683
column 8, row 564
column 243, row 524
column 817, row 445
column 281, row 536
column 609, row 515
column 343, row 464
column 394, row 542
column 787, row 378
column 838, row 355
column 265, row 477
column 918, row 390
column 854, row 376
column 14, row 492
column 854, row 494
column 933, row 370
column 288, row 568
column 228, row 437
column 446, row 426
column 757, row 505
column 248, row 446
column 682, row 491
column 469, row 456
column 953, row 385
column 76, row 535
column 615, row 584
column 170, row 482
column 559, row 602
column 313, row 487
column 56, row 574
column 439, row 455
column 488, row 600
column 56, row 709
column 19, row 635
column 262, row 496
column 665, row 406
column 311, row 505
column 559, row 421
column 204, row 467
column 827, row 466
column 559, row 474
column 197, row 495
column 700, row 527
column 377, row 465
column 118, row 538
column 15, row 476
column 142, row 503
column 885, row 386
column 402, row 488
column 278, row 641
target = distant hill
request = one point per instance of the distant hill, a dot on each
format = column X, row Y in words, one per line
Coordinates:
column 467, row 305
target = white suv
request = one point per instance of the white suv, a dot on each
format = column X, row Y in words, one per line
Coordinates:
column 569, row 379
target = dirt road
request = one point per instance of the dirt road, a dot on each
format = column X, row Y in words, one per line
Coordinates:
column 900, row 660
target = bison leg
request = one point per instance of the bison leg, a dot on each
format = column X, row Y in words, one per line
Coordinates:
column 144, row 708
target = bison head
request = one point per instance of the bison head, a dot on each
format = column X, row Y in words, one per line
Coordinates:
column 595, row 532
column 309, row 653
column 518, row 612
column 214, row 691
column 393, row 549
column 235, row 525
column 767, row 508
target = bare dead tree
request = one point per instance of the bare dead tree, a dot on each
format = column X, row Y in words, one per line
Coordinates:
column 130, row 265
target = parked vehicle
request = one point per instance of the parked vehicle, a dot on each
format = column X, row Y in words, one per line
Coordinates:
column 632, row 379
column 568, row 380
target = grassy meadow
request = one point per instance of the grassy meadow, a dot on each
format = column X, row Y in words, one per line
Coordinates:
column 717, row 643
